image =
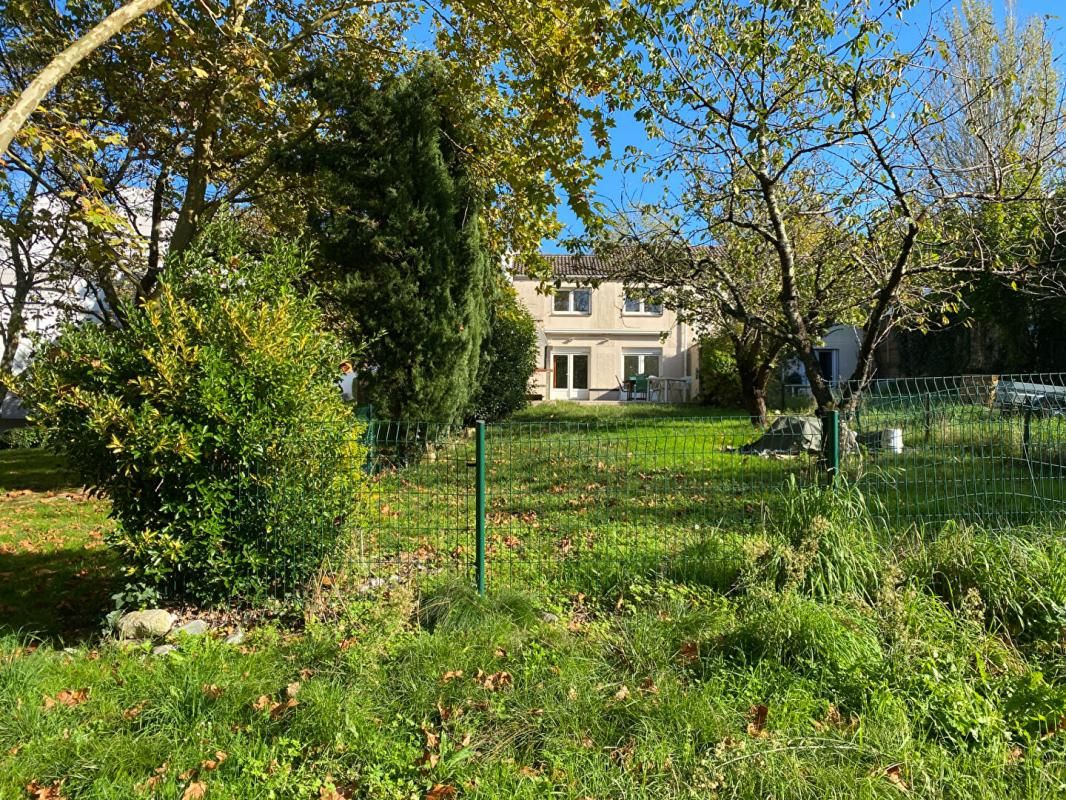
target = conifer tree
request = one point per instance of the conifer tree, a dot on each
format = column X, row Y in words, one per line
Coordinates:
column 402, row 259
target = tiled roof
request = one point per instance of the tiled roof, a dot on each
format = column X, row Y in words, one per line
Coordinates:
column 570, row 266
column 566, row 266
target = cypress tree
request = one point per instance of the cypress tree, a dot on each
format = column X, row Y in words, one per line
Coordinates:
column 405, row 273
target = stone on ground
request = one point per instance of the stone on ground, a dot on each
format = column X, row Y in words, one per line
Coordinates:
column 194, row 627
column 149, row 624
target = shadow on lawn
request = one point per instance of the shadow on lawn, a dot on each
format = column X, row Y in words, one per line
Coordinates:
column 61, row 595
column 36, row 470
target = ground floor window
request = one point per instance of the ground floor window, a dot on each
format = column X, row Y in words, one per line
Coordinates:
column 641, row 362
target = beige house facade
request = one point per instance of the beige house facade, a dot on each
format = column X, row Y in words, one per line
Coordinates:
column 592, row 338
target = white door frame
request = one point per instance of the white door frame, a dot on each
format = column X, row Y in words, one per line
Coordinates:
column 570, row 392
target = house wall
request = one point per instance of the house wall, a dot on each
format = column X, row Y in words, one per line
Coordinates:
column 607, row 333
column 845, row 340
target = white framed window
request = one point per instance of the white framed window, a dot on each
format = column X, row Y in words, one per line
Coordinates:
column 572, row 301
column 640, row 305
column 641, row 362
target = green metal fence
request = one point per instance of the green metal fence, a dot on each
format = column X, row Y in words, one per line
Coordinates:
column 519, row 501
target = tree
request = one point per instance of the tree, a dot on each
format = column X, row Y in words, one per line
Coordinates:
column 508, row 357
column 730, row 291
column 1007, row 71
column 403, row 264
column 15, row 116
column 189, row 110
column 773, row 113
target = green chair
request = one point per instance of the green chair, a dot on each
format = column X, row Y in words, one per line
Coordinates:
column 639, row 387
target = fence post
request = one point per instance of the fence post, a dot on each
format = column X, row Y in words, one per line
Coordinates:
column 833, row 454
column 1027, row 431
column 480, row 508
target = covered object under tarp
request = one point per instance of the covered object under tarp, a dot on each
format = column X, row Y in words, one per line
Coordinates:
column 796, row 434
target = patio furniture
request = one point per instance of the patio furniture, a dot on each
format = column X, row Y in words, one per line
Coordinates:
column 661, row 389
column 638, row 387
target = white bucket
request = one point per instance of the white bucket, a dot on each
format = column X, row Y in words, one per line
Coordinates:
column 892, row 440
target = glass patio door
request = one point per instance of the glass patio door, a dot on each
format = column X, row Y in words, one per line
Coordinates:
column 570, row 376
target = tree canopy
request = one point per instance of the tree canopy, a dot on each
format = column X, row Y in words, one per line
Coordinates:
column 768, row 116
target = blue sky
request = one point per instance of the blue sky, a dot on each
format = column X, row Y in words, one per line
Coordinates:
column 614, row 185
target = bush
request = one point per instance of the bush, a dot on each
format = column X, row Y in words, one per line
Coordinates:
column 508, row 359
column 1021, row 582
column 719, row 378
column 21, row 438
column 212, row 421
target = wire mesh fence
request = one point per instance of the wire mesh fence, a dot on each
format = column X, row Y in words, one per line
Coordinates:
column 680, row 495
column 990, row 450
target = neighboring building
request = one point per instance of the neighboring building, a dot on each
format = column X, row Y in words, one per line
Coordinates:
column 592, row 337
column 837, row 357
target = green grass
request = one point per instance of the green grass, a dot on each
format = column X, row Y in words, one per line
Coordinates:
column 602, row 491
column 666, row 619
column 569, row 411
column 658, row 691
column 56, row 577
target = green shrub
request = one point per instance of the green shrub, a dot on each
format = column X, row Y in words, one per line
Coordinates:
column 508, row 359
column 1020, row 580
column 946, row 666
column 719, row 379
column 212, row 421
column 21, row 438
column 1034, row 707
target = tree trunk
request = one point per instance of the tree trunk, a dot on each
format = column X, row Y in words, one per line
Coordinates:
column 754, row 393
column 755, row 363
column 63, row 63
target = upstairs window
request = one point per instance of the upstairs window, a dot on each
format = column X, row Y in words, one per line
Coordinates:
column 573, row 301
column 637, row 305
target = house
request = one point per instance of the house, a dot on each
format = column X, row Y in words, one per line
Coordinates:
column 837, row 357
column 592, row 337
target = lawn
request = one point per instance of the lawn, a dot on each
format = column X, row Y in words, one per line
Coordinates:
column 797, row 650
column 55, row 575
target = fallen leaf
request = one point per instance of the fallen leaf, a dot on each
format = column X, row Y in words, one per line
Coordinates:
column 306, row 674
column 148, row 784
column 194, row 791
column 347, row 644
column 212, row 690
column 622, row 694
column 67, row 697
column 440, row 791
column 451, row 675
column 292, row 689
column 279, row 709
column 689, row 653
column 187, row 774
column 444, row 712
column 133, row 712
column 495, row 681
column 648, row 686
column 432, row 739
column 427, row 760
column 895, row 777
column 329, row 793
column 216, row 762
column 50, row 792
column 757, row 721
